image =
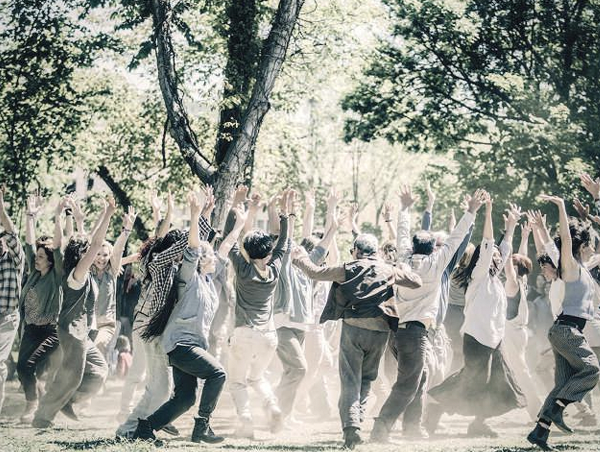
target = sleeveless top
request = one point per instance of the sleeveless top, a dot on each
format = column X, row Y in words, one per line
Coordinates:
column 579, row 296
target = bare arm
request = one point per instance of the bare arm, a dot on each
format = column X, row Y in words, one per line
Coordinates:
column 389, row 221
column 524, row 245
column 308, row 220
column 57, row 240
column 33, row 208
column 195, row 209
column 510, row 222
column 117, row 255
column 568, row 261
column 78, row 214
column 83, row 266
column 253, row 207
column 232, row 237
column 5, row 220
column 166, row 223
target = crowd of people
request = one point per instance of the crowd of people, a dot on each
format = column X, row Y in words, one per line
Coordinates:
column 428, row 321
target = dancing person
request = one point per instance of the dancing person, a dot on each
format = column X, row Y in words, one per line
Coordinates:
column 362, row 295
column 12, row 261
column 40, row 304
column 190, row 308
column 82, row 370
column 158, row 257
column 485, row 386
column 105, row 270
column 418, row 310
column 576, row 365
column 254, row 338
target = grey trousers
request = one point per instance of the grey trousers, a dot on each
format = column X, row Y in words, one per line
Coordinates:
column 290, row 350
column 577, row 369
column 81, row 373
column 9, row 324
column 411, row 345
column 360, row 353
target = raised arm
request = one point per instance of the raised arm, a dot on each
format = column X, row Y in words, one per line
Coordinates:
column 568, row 261
column 253, row 207
column 195, row 209
column 510, row 222
column 209, row 203
column 308, row 220
column 78, row 214
column 5, row 220
column 155, row 204
column 389, row 221
column 407, row 199
column 86, row 261
column 57, row 240
column 333, row 199
column 487, row 244
column 525, row 233
column 165, row 225
column 117, row 255
column 272, row 213
column 282, row 241
column 232, row 237
column 33, row 209
column 353, row 215
column 428, row 213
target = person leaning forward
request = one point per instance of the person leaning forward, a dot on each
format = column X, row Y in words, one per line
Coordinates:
column 362, row 295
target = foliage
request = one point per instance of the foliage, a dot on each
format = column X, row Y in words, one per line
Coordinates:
column 41, row 110
column 509, row 88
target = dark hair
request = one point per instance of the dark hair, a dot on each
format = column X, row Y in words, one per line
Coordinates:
column 580, row 236
column 258, row 244
column 157, row 244
column 463, row 275
column 309, row 244
column 365, row 245
column 545, row 259
column 158, row 322
column 123, row 344
column 522, row 264
column 423, row 243
column 45, row 243
column 74, row 251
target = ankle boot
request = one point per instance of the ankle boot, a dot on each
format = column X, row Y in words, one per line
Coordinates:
column 203, row 433
column 29, row 411
column 539, row 437
column 144, row 431
column 351, row 437
column 556, row 416
column 380, row 433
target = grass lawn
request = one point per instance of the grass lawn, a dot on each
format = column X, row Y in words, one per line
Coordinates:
column 96, row 430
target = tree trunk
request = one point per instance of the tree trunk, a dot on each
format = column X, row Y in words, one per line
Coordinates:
column 243, row 48
column 122, row 198
column 180, row 130
column 241, row 149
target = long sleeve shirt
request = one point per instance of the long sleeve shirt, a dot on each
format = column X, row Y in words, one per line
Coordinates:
column 12, row 263
column 423, row 304
column 485, row 299
column 190, row 321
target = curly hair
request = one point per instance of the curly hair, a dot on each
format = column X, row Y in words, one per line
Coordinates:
column 74, row 251
column 45, row 243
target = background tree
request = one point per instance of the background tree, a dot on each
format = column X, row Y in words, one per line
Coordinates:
column 509, row 88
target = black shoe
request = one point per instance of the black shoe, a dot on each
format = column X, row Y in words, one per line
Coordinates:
column 380, row 433
column 556, row 416
column 539, row 437
column 67, row 410
column 203, row 433
column 433, row 414
column 144, row 431
column 479, row 428
column 170, row 429
column 351, row 437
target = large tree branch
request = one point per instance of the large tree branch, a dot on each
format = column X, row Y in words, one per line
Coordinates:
column 272, row 57
column 122, row 198
column 180, row 129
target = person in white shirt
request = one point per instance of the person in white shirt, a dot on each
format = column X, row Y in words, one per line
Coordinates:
column 418, row 308
column 484, row 387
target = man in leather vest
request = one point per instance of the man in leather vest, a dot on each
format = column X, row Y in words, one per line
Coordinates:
column 362, row 296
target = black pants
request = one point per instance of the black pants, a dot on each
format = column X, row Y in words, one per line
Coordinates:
column 37, row 344
column 189, row 363
column 411, row 346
